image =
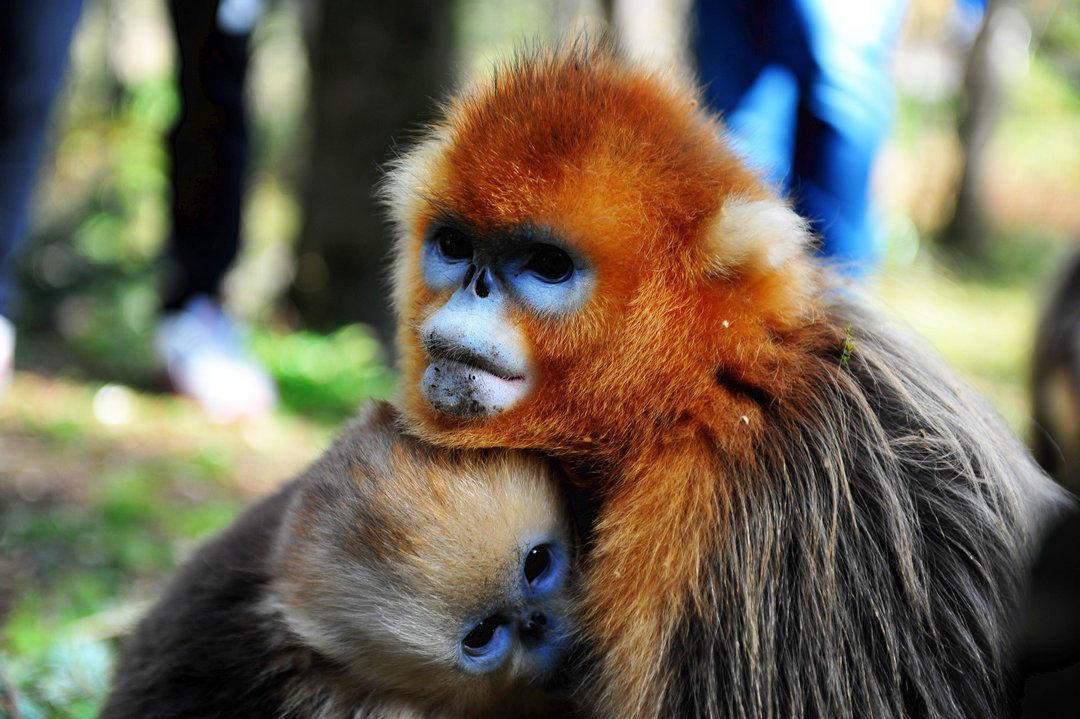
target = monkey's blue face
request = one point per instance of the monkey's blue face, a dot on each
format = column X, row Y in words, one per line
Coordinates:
column 478, row 363
column 533, row 628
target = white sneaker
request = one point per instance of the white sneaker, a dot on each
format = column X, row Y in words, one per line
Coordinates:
column 202, row 354
column 7, row 352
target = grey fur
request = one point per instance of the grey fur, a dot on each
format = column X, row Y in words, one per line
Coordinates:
column 873, row 556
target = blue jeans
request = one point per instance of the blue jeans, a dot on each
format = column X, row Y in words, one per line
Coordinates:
column 34, row 40
column 804, row 89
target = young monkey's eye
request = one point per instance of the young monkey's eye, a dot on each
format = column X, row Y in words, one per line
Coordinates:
column 453, row 244
column 537, row 562
column 550, row 263
column 482, row 634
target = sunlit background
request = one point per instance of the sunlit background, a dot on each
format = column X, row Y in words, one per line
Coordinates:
column 106, row 482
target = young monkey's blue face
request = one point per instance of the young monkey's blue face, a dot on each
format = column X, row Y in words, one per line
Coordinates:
column 441, row 576
column 526, row 621
column 491, row 553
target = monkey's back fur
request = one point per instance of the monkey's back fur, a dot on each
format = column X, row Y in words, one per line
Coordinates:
column 802, row 512
column 874, row 547
column 208, row 648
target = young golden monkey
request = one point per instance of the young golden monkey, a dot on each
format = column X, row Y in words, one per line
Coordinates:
column 390, row 580
column 802, row 511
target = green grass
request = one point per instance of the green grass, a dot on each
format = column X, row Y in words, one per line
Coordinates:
column 84, row 551
column 94, row 515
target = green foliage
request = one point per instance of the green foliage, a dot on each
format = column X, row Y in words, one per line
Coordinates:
column 325, row 377
column 1038, row 133
column 69, row 675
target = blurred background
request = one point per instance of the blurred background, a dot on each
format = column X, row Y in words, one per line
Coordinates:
column 106, row 481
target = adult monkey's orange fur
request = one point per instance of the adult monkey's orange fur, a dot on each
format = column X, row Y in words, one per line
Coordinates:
column 802, row 513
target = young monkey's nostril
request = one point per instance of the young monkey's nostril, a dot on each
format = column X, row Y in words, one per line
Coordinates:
column 532, row 629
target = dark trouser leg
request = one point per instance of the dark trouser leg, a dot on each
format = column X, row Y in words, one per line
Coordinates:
column 845, row 114
column 34, row 39
column 756, row 95
column 209, row 148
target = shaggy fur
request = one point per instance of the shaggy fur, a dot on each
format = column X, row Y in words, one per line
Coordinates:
column 802, row 512
column 342, row 595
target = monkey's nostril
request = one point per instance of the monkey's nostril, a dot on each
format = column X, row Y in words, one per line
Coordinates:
column 532, row 629
column 468, row 276
column 483, row 284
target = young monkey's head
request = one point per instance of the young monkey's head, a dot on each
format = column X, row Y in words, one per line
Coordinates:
column 432, row 577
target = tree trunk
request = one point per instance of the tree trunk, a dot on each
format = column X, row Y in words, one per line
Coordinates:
column 377, row 70
column 984, row 100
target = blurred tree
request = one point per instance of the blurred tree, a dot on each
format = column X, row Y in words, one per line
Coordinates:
column 376, row 70
column 966, row 233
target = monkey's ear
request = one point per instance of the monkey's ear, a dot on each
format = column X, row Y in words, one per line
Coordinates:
column 412, row 178
column 761, row 235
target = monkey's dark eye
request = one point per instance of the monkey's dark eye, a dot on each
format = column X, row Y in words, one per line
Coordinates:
column 453, row 244
column 482, row 634
column 537, row 562
column 550, row 263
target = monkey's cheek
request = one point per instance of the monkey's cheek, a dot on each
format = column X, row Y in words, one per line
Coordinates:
column 465, row 391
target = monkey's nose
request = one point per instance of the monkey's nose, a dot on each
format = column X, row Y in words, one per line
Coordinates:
column 532, row 627
column 479, row 278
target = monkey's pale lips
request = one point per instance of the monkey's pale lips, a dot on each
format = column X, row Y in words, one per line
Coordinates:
column 469, row 391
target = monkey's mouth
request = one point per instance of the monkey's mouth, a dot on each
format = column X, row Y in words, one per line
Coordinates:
column 467, row 385
column 441, row 351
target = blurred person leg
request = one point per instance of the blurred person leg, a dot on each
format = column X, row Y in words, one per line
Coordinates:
column 805, row 90
column 197, row 342
column 756, row 95
column 845, row 113
column 34, row 40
